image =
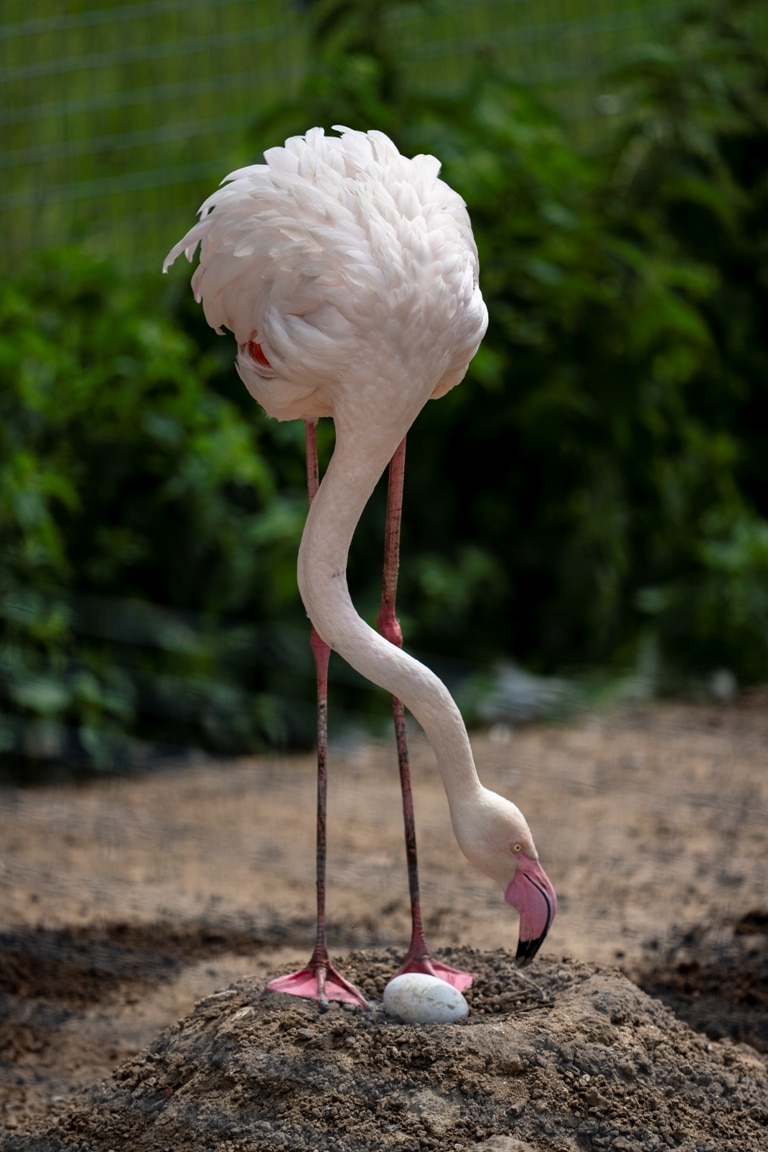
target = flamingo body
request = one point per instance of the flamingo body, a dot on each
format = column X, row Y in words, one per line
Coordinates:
column 348, row 274
column 335, row 256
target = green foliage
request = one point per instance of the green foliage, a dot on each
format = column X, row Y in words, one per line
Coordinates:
column 616, row 410
column 354, row 73
column 596, row 490
column 126, row 484
column 689, row 164
column 609, row 444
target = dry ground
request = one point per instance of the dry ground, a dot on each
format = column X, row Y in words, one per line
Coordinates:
column 124, row 902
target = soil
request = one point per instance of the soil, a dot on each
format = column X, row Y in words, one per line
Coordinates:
column 141, row 917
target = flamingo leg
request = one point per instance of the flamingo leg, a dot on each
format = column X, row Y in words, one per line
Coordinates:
column 418, row 958
column 319, row 980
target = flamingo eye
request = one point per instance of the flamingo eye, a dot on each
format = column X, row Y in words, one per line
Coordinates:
column 516, row 847
column 256, row 351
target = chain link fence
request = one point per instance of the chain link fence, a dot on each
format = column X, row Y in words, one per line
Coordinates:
column 116, row 121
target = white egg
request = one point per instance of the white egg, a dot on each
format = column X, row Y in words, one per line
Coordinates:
column 416, row 998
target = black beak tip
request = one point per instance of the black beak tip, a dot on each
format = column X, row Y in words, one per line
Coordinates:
column 527, row 949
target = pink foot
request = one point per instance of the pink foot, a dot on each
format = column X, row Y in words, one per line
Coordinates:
column 430, row 967
column 319, row 981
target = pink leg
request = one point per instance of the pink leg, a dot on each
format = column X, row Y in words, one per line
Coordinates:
column 418, row 957
column 319, row 980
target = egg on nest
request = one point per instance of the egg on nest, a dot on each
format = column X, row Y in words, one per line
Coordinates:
column 415, row 998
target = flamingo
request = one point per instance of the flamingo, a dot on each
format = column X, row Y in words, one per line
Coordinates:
column 348, row 274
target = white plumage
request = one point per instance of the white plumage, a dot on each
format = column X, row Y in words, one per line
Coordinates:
column 338, row 252
column 348, row 274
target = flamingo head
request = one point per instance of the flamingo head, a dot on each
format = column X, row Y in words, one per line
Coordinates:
column 495, row 837
column 531, row 893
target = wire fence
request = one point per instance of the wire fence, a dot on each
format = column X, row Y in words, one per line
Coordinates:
column 116, row 121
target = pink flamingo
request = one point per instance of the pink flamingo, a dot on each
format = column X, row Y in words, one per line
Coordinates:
column 348, row 274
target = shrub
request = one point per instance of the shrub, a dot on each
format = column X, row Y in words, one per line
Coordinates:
column 147, row 555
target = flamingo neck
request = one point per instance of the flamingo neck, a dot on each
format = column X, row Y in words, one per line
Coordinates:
column 357, row 464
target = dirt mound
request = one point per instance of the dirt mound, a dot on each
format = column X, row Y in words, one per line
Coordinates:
column 123, row 902
column 579, row 1059
column 715, row 978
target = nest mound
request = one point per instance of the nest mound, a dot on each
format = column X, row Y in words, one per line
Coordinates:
column 577, row 1057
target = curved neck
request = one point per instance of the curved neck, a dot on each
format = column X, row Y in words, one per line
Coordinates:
column 358, row 461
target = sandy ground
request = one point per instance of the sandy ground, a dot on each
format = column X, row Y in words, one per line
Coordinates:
column 126, row 902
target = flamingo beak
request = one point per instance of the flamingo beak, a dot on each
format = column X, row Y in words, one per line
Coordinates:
column 532, row 894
